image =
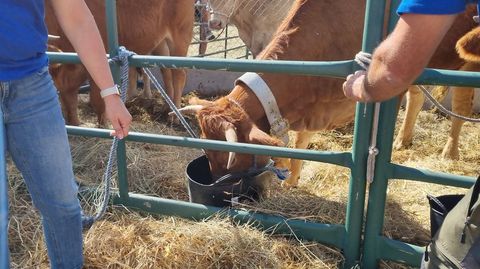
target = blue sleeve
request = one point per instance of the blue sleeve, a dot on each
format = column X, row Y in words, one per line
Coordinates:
column 432, row 7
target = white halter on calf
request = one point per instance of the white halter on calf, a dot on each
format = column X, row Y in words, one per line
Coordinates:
column 278, row 125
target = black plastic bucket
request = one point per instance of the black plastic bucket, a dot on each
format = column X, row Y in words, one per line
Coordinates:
column 202, row 189
column 439, row 208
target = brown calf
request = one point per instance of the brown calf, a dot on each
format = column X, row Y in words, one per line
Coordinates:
column 313, row 31
column 158, row 27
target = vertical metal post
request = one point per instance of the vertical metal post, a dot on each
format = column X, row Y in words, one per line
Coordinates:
column 4, row 253
column 112, row 30
column 363, row 125
column 357, row 186
column 226, row 42
column 374, row 14
column 378, row 189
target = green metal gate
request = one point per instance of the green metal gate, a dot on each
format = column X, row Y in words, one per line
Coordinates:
column 360, row 238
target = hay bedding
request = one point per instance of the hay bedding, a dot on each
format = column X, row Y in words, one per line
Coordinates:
column 126, row 239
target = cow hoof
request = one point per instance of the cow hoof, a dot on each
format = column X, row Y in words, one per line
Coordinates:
column 289, row 185
column 401, row 143
column 173, row 119
column 450, row 152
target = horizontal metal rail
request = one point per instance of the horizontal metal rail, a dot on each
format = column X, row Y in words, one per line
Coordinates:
column 338, row 158
column 338, row 69
column 332, row 234
column 216, row 40
column 222, row 51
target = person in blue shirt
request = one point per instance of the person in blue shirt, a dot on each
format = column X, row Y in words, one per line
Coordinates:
column 35, row 132
column 403, row 55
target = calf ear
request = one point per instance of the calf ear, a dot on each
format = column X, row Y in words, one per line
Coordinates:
column 468, row 47
column 257, row 136
column 198, row 101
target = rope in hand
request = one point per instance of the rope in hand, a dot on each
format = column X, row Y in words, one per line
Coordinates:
column 87, row 221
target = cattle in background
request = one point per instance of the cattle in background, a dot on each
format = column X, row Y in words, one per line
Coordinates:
column 158, row 27
column 462, row 97
column 313, row 31
column 256, row 20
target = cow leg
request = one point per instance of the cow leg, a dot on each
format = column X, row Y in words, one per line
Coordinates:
column 179, row 48
column 415, row 100
column 132, row 83
column 163, row 49
column 462, row 102
column 302, row 139
column 147, row 89
column 68, row 79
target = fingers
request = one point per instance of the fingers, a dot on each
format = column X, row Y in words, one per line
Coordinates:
column 121, row 128
column 351, row 87
column 118, row 116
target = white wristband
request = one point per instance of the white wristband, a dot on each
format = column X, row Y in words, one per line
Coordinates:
column 109, row 91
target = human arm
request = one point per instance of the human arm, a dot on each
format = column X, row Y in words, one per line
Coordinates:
column 80, row 28
column 400, row 58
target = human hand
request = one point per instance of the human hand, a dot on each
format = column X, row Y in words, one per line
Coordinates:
column 354, row 87
column 118, row 115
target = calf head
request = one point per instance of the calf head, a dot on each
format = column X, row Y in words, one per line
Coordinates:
column 468, row 47
column 220, row 13
column 225, row 120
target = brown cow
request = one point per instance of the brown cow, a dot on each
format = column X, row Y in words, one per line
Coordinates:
column 145, row 27
column 462, row 97
column 255, row 20
column 313, row 31
column 257, row 28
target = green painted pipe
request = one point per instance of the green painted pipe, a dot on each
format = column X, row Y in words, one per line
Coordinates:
column 338, row 158
column 398, row 251
column 331, row 234
column 424, row 175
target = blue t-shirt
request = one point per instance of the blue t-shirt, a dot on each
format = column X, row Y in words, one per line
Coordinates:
column 23, row 38
column 433, row 7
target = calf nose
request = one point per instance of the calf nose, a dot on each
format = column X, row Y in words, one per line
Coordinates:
column 215, row 24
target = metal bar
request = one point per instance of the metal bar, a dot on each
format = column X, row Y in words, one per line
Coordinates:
column 218, row 39
column 373, row 33
column 223, row 51
column 363, row 126
column 424, row 175
column 378, row 189
column 338, row 158
column 331, row 234
column 339, row 69
column 112, row 30
column 225, row 42
column 357, row 186
column 122, row 169
column 398, row 251
column 4, row 252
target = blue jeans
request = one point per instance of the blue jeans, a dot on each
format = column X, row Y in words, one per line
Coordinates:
column 38, row 144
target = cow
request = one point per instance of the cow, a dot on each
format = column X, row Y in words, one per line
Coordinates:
column 462, row 97
column 312, row 31
column 256, row 30
column 256, row 21
column 159, row 27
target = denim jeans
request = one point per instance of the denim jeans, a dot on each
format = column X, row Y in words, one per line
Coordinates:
column 38, row 144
